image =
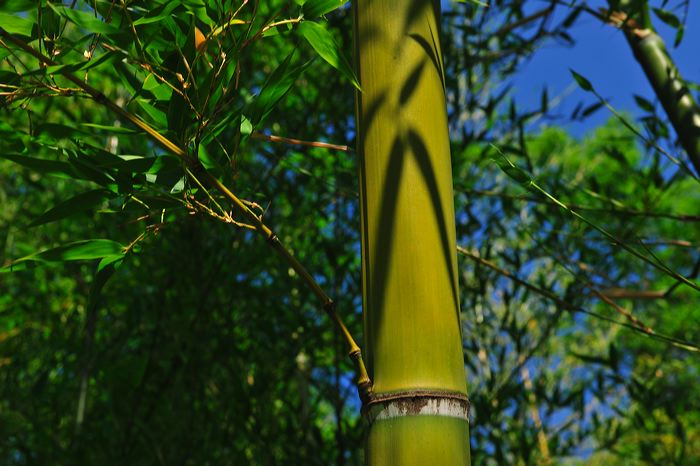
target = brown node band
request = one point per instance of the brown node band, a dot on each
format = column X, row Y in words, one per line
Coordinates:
column 412, row 402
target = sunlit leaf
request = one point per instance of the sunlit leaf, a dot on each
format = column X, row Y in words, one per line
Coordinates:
column 322, row 41
column 85, row 20
column 314, row 8
column 16, row 24
column 76, row 251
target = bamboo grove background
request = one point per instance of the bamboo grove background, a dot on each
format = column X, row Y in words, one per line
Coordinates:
column 158, row 327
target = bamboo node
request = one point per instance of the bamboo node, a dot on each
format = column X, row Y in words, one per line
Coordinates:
column 329, row 307
column 416, row 403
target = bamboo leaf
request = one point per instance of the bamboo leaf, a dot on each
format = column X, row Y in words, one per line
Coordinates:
column 111, row 129
column 105, row 269
column 323, row 43
column 581, row 81
column 276, row 86
column 16, row 24
column 644, row 104
column 85, row 20
column 591, row 109
column 157, row 116
column 46, row 167
column 158, row 14
column 525, row 179
column 314, row 8
column 246, row 126
column 668, row 18
column 77, row 251
column 73, row 206
column 510, row 169
column 18, row 5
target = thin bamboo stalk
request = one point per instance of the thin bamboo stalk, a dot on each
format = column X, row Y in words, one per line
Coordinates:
column 418, row 411
column 650, row 51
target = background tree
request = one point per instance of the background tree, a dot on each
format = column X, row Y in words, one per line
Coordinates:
column 205, row 347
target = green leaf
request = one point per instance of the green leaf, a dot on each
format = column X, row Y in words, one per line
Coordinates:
column 88, row 249
column 16, row 24
column 102, row 60
column 160, row 91
column 73, row 206
column 105, row 269
column 581, row 81
column 644, row 104
column 510, row 169
column 114, row 261
column 591, row 109
column 158, row 14
column 111, row 129
column 18, row 5
column 46, row 167
column 668, row 18
column 679, row 36
column 85, row 20
column 315, row 8
column 209, row 162
column 246, row 126
column 276, row 87
column 156, row 116
column 323, row 43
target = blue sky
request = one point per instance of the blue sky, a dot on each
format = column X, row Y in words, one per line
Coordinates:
column 602, row 55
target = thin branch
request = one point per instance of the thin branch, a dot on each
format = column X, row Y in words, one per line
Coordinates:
column 622, row 293
column 523, row 21
column 281, row 23
column 539, row 200
column 271, row 138
column 566, row 305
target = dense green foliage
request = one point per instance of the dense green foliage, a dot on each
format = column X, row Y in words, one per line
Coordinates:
column 190, row 342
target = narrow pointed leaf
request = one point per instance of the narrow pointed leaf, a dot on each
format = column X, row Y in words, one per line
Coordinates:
column 16, row 24
column 46, row 167
column 276, row 87
column 314, row 8
column 73, row 206
column 582, row 82
column 79, row 250
column 85, row 20
column 512, row 170
column 323, row 43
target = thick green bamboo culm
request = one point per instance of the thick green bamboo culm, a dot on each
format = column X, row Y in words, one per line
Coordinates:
column 417, row 413
column 661, row 72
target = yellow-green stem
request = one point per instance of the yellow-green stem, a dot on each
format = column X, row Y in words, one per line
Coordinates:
column 419, row 408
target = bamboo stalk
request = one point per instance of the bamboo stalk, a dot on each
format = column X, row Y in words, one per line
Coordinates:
column 418, row 413
column 650, row 51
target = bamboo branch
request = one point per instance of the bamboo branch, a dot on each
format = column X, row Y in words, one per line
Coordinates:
column 568, row 306
column 624, row 211
column 650, row 51
column 526, row 180
column 196, row 168
column 622, row 293
column 272, row 138
column 525, row 20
